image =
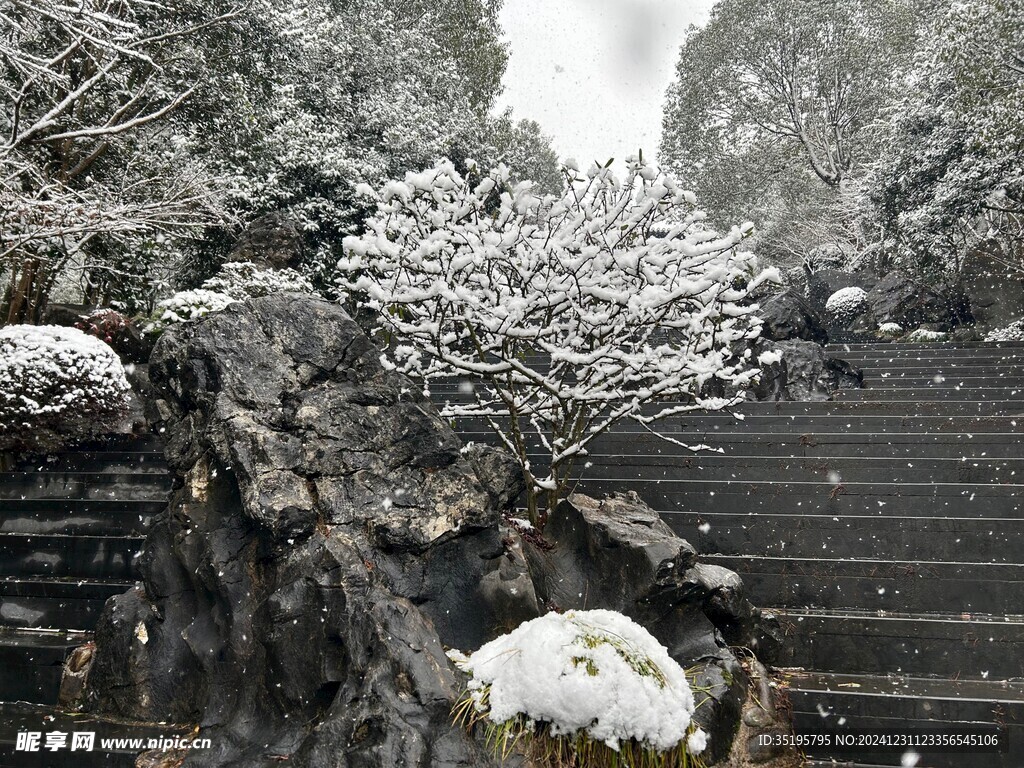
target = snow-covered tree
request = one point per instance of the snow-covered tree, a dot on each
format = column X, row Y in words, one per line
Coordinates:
column 563, row 315
column 952, row 177
column 316, row 98
column 139, row 137
column 82, row 88
column 774, row 112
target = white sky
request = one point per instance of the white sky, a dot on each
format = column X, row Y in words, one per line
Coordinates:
column 594, row 73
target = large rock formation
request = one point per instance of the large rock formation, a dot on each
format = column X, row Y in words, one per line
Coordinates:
column 328, row 535
column 788, row 315
column 899, row 299
column 804, row 372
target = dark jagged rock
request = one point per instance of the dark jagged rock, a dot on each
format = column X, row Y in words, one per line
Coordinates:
column 272, row 241
column 617, row 553
column 897, row 298
column 328, row 535
column 325, row 538
column 789, row 316
column 806, row 372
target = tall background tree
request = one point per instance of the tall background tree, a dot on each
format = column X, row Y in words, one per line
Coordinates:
column 775, row 113
column 951, row 178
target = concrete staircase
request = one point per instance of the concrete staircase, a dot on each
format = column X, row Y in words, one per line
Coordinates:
column 71, row 528
column 885, row 529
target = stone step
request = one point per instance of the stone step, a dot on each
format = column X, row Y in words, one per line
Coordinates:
column 919, row 445
column 951, row 646
column 870, row 500
column 824, row 703
column 1009, row 379
column 55, row 602
column 911, row 586
column 874, row 372
column 59, row 517
column 84, row 485
column 822, row 470
column 884, row 346
column 120, row 752
column 913, row 396
column 119, row 462
column 78, row 556
column 32, row 661
column 99, row 506
column 795, row 535
column 696, row 427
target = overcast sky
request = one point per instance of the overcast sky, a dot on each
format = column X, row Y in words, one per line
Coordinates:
column 593, row 73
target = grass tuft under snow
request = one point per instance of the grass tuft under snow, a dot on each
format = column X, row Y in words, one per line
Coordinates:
column 578, row 686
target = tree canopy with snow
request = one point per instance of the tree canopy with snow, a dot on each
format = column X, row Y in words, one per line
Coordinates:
column 82, row 168
column 140, row 138
column 565, row 314
column 777, row 110
column 952, row 176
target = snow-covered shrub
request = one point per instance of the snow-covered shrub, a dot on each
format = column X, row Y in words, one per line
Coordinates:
column 924, row 335
column 890, row 330
column 243, row 279
column 846, row 303
column 55, row 378
column 185, row 306
column 573, row 312
column 1012, row 332
column 593, row 687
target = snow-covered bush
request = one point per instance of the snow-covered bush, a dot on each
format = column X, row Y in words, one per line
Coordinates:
column 53, row 377
column 185, row 306
column 241, row 280
column 564, row 314
column 1012, row 332
column 592, row 687
column 890, row 330
column 924, row 335
column 846, row 303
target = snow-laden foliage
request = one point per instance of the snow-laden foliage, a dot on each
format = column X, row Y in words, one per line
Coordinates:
column 891, row 330
column 243, row 279
column 82, row 86
column 593, row 673
column 1012, row 332
column 566, row 312
column 952, row 175
column 185, row 306
column 846, row 303
column 52, row 376
column 140, row 137
column 236, row 281
column 774, row 109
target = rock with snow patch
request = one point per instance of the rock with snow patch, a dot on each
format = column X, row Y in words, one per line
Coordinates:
column 617, row 553
column 897, row 298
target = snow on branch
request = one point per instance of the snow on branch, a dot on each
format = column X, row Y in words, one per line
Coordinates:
column 566, row 314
